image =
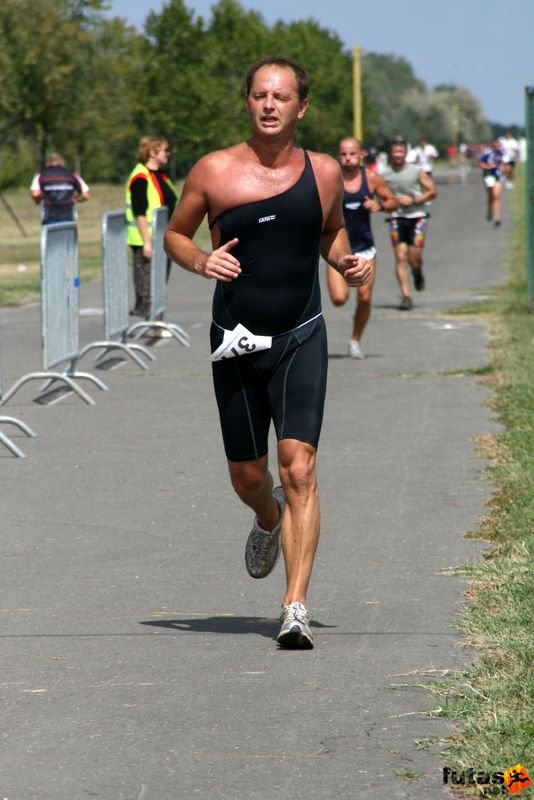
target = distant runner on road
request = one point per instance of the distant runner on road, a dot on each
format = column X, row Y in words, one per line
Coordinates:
column 364, row 193
column 490, row 162
column 412, row 188
column 423, row 156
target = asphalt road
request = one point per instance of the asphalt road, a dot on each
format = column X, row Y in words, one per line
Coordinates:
column 137, row 656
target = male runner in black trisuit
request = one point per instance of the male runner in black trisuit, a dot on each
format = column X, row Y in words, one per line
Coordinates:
column 272, row 209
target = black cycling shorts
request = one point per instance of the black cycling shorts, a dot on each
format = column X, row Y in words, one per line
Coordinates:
column 410, row 231
column 285, row 384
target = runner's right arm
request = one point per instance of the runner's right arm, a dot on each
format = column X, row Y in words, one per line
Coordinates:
column 185, row 221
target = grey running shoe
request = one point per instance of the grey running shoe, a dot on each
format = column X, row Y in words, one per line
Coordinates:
column 295, row 631
column 406, row 303
column 263, row 547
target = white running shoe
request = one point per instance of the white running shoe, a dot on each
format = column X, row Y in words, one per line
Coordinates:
column 355, row 351
column 295, row 631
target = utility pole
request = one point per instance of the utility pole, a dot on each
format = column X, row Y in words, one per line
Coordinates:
column 529, row 186
column 357, row 90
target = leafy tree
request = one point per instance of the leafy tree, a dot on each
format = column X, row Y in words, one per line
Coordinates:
column 497, row 129
column 172, row 92
column 106, row 125
column 385, row 80
column 422, row 115
column 329, row 117
column 195, row 76
column 403, row 105
column 211, row 63
column 443, row 117
column 235, row 39
column 468, row 118
column 74, row 81
column 42, row 46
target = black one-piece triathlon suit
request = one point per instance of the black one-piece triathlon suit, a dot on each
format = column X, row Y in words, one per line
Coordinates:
column 278, row 295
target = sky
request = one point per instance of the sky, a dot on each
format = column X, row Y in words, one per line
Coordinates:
column 486, row 46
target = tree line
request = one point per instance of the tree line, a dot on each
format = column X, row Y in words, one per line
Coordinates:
column 75, row 81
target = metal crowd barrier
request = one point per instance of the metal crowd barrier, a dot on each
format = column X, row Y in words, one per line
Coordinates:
column 158, row 284
column 115, row 285
column 60, row 285
column 5, row 440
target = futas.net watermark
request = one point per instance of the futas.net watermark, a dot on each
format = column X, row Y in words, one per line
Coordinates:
column 491, row 784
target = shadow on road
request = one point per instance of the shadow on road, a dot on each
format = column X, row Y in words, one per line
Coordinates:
column 262, row 626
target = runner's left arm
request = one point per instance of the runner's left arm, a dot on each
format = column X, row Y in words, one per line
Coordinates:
column 429, row 189
column 379, row 188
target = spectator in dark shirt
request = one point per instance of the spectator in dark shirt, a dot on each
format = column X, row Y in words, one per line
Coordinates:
column 58, row 189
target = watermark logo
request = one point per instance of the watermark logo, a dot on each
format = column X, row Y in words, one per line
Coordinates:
column 490, row 784
column 516, row 778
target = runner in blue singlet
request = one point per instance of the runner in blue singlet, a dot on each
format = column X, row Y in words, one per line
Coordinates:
column 490, row 162
column 365, row 193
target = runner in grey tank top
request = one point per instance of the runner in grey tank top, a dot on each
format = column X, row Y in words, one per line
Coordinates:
column 405, row 182
column 412, row 188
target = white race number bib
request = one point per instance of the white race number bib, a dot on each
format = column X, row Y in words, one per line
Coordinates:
column 239, row 342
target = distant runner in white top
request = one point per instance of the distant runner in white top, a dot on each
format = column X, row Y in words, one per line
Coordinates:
column 423, row 155
column 510, row 154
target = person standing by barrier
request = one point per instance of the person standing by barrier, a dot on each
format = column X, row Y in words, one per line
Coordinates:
column 272, row 208
column 58, row 189
column 365, row 193
column 147, row 188
column 490, row 162
column 412, row 188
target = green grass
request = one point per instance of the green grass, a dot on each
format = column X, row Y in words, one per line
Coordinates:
column 19, row 254
column 494, row 703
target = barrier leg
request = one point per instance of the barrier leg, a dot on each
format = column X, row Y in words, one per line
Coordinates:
column 178, row 333
column 110, row 345
column 89, row 377
column 19, row 423
column 50, row 376
column 11, row 446
column 143, row 350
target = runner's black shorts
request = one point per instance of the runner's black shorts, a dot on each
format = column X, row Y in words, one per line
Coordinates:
column 410, row 231
column 285, row 384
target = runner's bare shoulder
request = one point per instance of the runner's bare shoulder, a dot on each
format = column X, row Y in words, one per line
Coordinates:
column 215, row 166
column 326, row 169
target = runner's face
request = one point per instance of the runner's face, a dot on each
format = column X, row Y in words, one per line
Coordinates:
column 397, row 155
column 350, row 154
column 273, row 103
